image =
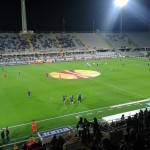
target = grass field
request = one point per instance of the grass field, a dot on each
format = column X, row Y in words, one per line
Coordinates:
column 117, row 84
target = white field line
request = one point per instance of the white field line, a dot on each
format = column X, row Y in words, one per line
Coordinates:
column 119, row 107
column 99, row 111
column 59, row 117
column 78, row 114
column 125, row 90
column 89, row 114
column 130, row 103
column 121, row 89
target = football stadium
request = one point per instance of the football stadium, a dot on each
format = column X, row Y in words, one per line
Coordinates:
column 90, row 90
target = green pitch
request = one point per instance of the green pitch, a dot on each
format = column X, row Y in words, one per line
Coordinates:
column 121, row 81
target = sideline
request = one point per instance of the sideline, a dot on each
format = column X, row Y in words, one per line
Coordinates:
column 98, row 109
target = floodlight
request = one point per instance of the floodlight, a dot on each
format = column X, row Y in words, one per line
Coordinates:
column 120, row 3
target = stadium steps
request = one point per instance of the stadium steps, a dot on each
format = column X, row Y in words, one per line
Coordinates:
column 133, row 43
column 85, row 44
column 133, row 49
column 102, row 38
column 57, row 41
column 29, row 42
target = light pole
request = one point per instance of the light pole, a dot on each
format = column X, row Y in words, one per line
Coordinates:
column 93, row 25
column 120, row 4
column 23, row 13
column 121, row 20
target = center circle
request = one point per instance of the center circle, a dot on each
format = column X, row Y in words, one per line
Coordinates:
column 74, row 74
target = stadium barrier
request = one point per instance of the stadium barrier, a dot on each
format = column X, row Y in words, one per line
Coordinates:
column 46, row 136
column 117, row 117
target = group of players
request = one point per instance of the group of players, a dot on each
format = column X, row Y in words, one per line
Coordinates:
column 72, row 100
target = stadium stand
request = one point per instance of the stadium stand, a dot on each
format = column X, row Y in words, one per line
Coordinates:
column 93, row 40
column 69, row 41
column 49, row 42
column 119, row 40
column 10, row 42
column 51, row 47
column 142, row 39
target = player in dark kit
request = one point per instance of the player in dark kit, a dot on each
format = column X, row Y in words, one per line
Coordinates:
column 71, row 99
column 79, row 98
column 64, row 99
column 29, row 93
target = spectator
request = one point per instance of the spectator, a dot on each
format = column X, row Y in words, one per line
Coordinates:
column 140, row 121
column 135, row 122
column 126, row 145
column 24, row 146
column 122, row 120
column 54, row 142
column 139, row 143
column 95, row 126
column 98, row 137
column 106, row 145
column 61, row 141
column 7, row 133
column 2, row 135
column 86, row 125
column 30, row 142
column 80, row 127
column 147, row 121
column 112, row 124
column 129, row 123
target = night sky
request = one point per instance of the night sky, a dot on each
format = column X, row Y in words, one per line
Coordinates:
column 79, row 15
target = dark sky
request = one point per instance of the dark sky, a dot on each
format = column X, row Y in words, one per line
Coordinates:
column 79, row 15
